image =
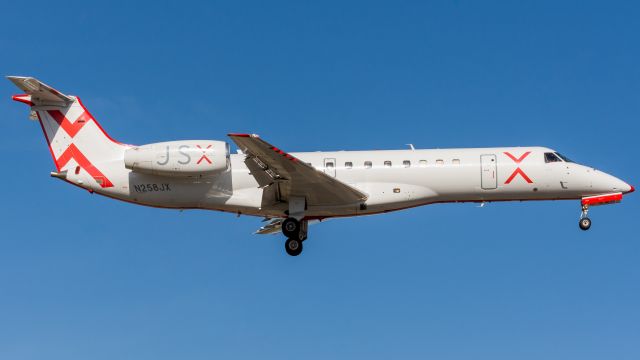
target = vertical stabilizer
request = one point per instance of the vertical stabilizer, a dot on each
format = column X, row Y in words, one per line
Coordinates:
column 76, row 141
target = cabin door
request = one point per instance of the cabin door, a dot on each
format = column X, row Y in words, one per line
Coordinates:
column 489, row 172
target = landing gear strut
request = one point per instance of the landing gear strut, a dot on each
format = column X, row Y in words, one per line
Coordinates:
column 585, row 222
column 296, row 233
column 295, row 227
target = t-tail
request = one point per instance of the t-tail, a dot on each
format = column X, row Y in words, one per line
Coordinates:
column 80, row 148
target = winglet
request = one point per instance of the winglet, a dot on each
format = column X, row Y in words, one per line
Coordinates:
column 39, row 92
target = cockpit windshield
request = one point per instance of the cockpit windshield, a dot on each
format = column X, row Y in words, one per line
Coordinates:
column 555, row 157
column 551, row 157
column 566, row 159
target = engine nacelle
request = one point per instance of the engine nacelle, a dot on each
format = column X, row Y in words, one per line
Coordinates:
column 189, row 158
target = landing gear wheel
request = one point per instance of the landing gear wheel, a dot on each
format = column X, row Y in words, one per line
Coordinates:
column 293, row 247
column 585, row 223
column 291, row 228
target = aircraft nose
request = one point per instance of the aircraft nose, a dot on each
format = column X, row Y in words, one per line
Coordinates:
column 618, row 185
column 608, row 183
column 630, row 190
column 623, row 186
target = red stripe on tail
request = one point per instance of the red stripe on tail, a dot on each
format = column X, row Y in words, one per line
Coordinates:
column 74, row 153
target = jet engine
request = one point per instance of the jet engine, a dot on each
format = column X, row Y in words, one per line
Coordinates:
column 189, row 158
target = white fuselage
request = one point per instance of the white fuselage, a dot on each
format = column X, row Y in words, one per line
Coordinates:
column 293, row 188
column 392, row 179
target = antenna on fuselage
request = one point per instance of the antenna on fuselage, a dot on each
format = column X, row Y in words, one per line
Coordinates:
column 411, row 146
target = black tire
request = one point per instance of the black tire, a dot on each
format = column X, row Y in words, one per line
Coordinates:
column 585, row 223
column 291, row 228
column 293, row 247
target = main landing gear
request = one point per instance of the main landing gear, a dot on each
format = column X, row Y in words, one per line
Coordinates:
column 296, row 233
column 294, row 227
column 585, row 222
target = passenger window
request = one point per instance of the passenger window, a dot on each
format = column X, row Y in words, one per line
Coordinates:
column 348, row 164
column 406, row 163
column 439, row 162
column 387, row 163
column 551, row 157
column 329, row 165
column 455, row 161
column 423, row 163
column 367, row 164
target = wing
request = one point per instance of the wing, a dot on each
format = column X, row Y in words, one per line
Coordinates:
column 272, row 166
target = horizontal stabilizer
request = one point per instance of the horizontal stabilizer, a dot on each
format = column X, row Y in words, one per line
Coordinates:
column 273, row 227
column 41, row 93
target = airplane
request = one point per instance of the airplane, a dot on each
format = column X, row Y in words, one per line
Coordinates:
column 292, row 190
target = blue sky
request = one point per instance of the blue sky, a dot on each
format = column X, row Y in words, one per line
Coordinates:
column 83, row 276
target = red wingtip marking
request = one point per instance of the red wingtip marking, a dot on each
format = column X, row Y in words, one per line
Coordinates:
column 632, row 189
column 239, row 135
column 285, row 154
column 23, row 98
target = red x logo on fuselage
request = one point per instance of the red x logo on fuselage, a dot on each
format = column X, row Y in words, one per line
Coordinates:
column 204, row 154
column 518, row 171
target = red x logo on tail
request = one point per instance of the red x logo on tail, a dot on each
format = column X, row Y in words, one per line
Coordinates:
column 72, row 152
column 71, row 128
column 518, row 171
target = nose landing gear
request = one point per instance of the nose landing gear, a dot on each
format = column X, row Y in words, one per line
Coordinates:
column 585, row 222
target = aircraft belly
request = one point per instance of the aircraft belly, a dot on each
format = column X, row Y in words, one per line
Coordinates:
column 394, row 193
